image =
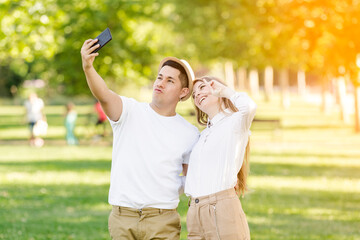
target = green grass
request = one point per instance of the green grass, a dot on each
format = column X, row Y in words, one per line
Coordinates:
column 304, row 182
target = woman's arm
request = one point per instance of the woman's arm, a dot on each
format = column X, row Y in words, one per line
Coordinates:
column 245, row 105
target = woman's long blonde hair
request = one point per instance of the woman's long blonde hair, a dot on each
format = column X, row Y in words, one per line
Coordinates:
column 202, row 118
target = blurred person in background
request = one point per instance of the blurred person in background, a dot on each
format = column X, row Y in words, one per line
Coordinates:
column 70, row 121
column 101, row 119
column 218, row 164
column 36, row 119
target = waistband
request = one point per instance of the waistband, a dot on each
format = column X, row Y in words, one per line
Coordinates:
column 141, row 211
column 213, row 198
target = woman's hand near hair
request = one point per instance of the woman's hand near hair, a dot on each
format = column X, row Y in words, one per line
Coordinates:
column 219, row 90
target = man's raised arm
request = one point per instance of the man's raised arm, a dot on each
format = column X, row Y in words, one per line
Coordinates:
column 110, row 101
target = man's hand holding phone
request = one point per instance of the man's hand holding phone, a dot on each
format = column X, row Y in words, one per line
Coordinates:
column 87, row 54
column 92, row 46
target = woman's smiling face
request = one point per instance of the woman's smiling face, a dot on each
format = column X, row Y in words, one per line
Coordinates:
column 203, row 98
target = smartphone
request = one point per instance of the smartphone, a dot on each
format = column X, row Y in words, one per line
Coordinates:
column 104, row 38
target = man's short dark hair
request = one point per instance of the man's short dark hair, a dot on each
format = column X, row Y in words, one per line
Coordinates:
column 183, row 76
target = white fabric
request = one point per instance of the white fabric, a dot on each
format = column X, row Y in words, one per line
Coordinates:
column 148, row 152
column 33, row 109
column 40, row 128
column 218, row 155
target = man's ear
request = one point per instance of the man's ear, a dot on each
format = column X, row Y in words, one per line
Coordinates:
column 184, row 92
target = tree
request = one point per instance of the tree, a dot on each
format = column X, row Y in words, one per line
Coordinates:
column 42, row 39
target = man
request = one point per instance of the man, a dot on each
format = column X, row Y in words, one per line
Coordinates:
column 151, row 147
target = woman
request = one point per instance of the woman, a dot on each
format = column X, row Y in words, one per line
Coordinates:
column 218, row 162
column 70, row 121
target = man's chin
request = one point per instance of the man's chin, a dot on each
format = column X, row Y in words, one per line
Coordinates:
column 160, row 100
column 156, row 98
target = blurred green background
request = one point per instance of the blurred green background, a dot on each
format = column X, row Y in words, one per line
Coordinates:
column 298, row 59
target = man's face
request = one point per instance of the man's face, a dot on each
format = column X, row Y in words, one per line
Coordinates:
column 167, row 86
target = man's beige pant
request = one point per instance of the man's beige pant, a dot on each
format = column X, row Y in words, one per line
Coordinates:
column 147, row 223
column 217, row 216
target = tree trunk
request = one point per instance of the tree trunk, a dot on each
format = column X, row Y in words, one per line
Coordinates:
column 229, row 74
column 357, row 107
column 324, row 95
column 341, row 88
column 241, row 80
column 268, row 82
column 254, row 83
column 284, row 85
column 301, row 81
column 217, row 70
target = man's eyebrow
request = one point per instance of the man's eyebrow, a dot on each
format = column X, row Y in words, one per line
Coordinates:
column 160, row 75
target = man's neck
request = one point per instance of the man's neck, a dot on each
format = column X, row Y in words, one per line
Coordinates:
column 167, row 111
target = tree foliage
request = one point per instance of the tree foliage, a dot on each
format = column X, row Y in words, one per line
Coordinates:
column 317, row 36
column 42, row 39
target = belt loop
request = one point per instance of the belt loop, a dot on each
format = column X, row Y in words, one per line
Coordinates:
column 189, row 201
column 119, row 208
column 160, row 211
column 213, row 198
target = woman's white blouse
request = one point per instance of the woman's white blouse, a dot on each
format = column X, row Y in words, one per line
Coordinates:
column 218, row 155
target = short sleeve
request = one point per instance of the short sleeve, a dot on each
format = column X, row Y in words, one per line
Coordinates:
column 127, row 104
column 195, row 138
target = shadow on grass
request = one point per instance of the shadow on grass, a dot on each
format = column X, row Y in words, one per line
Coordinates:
column 257, row 169
column 296, row 170
column 314, row 127
column 100, row 165
column 19, row 121
column 298, row 154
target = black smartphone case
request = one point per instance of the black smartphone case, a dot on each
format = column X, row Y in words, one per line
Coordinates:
column 104, row 38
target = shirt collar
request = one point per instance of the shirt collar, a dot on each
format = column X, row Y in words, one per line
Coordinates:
column 218, row 117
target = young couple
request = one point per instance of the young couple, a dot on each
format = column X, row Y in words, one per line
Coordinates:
column 153, row 145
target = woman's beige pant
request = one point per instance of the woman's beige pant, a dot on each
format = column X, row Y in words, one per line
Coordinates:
column 217, row 216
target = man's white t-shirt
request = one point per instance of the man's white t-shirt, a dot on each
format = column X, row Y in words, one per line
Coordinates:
column 148, row 152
